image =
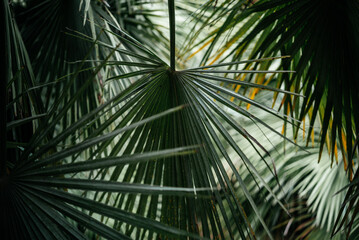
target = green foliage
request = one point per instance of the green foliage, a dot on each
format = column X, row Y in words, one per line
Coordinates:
column 322, row 39
column 105, row 139
column 308, row 189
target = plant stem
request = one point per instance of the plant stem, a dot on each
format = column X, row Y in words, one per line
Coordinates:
column 172, row 20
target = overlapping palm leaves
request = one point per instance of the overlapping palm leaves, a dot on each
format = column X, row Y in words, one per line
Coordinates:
column 196, row 125
column 87, row 168
column 47, row 26
column 321, row 37
column 31, row 206
column 308, row 188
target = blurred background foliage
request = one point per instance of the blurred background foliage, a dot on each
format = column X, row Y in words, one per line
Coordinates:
column 253, row 136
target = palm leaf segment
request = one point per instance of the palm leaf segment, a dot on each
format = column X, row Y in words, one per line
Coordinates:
column 48, row 182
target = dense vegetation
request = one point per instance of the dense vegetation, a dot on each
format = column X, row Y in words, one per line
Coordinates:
column 134, row 119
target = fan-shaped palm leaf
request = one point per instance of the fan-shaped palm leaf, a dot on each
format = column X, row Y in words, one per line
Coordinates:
column 87, row 167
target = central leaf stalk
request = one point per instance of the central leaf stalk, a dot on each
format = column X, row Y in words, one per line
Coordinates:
column 172, row 21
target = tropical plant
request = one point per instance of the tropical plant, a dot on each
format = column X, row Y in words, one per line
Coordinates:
column 322, row 39
column 49, row 152
column 104, row 138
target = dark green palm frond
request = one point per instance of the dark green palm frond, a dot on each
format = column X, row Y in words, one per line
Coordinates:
column 43, row 168
column 144, row 161
column 37, row 189
column 198, row 124
column 43, row 190
column 46, row 28
column 20, row 105
column 322, row 38
column 44, row 25
column 55, row 55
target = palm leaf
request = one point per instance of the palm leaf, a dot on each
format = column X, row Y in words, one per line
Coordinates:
column 107, row 166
